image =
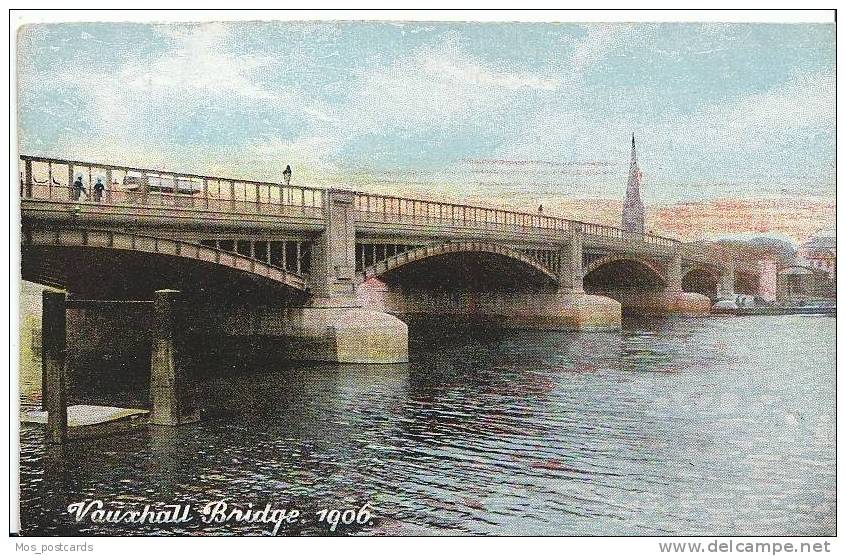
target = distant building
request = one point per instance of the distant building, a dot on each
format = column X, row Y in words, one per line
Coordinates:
column 633, row 216
column 799, row 281
column 813, row 272
column 820, row 252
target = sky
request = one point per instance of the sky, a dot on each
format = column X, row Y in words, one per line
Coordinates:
column 734, row 123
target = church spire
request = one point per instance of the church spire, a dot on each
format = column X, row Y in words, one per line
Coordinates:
column 634, row 152
column 633, row 216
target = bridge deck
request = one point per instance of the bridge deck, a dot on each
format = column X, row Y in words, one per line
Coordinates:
column 160, row 197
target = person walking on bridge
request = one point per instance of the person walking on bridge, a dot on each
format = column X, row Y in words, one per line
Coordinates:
column 98, row 190
column 286, row 175
column 78, row 189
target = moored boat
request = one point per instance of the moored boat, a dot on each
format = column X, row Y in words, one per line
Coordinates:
column 744, row 305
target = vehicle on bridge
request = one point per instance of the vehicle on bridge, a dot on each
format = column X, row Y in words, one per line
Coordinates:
column 171, row 190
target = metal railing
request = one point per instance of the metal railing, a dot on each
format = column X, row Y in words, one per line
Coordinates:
column 385, row 208
column 601, row 230
column 53, row 179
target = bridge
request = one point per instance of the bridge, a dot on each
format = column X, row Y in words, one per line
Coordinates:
column 336, row 273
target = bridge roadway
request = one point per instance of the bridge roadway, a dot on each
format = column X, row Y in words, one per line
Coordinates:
column 337, row 272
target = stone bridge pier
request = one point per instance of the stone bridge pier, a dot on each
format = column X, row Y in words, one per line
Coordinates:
column 727, row 279
column 333, row 325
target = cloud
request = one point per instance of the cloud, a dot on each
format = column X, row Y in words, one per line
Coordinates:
column 201, row 63
column 758, row 140
column 599, row 41
column 202, row 89
column 435, row 87
column 802, row 104
column 207, row 89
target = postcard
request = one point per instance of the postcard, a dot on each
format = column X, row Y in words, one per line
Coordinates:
column 411, row 276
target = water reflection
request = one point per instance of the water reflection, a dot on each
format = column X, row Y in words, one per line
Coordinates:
column 709, row 426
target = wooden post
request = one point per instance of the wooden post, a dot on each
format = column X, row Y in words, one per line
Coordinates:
column 53, row 342
column 169, row 397
column 28, row 177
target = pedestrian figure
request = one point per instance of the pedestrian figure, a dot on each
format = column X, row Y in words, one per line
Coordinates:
column 286, row 175
column 98, row 190
column 78, row 188
column 540, row 209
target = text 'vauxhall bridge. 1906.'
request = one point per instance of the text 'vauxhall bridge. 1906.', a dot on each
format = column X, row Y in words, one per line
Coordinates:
column 335, row 273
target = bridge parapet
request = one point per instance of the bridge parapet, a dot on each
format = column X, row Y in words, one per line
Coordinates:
column 51, row 179
column 402, row 210
column 385, row 208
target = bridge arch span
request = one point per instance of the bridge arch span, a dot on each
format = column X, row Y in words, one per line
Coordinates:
column 710, row 270
column 702, row 278
column 41, row 246
column 435, row 251
column 746, row 282
column 623, row 272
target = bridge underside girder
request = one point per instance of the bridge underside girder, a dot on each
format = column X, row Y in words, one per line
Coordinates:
column 746, row 283
column 466, row 271
column 626, row 274
column 701, row 281
column 99, row 273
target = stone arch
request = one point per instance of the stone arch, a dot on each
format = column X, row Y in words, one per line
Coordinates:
column 714, row 272
column 646, row 266
column 609, row 259
column 703, row 279
column 130, row 242
column 435, row 250
column 746, row 282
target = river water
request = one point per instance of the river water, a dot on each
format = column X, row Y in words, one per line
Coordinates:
column 716, row 426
